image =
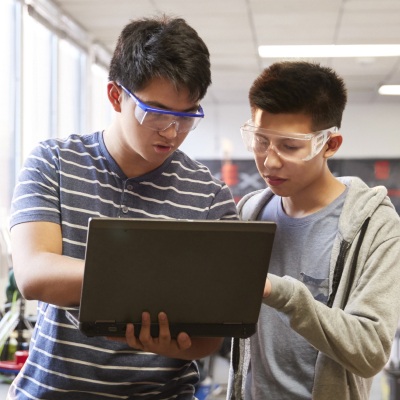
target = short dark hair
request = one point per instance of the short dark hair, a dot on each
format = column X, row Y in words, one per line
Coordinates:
column 163, row 47
column 301, row 87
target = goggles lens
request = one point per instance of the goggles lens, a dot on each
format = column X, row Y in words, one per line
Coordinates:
column 159, row 120
column 290, row 146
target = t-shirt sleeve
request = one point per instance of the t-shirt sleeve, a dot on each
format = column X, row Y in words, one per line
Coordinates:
column 36, row 194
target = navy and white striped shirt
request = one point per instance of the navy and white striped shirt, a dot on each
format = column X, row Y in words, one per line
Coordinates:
column 67, row 182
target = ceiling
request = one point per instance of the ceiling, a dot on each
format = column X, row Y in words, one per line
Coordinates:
column 233, row 30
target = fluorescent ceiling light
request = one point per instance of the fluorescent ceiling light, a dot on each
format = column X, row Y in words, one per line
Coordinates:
column 330, row 50
column 393, row 90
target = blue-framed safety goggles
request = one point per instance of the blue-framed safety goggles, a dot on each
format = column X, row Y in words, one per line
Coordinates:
column 159, row 120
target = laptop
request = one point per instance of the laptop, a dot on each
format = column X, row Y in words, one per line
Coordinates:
column 207, row 276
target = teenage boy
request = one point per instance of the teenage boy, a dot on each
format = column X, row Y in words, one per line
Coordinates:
column 159, row 72
column 331, row 300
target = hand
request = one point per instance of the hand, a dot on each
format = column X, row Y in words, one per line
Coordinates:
column 267, row 288
column 163, row 344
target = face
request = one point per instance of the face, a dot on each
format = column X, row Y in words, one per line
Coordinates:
column 137, row 144
column 289, row 177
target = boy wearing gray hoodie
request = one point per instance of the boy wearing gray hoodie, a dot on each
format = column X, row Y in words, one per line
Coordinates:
column 331, row 301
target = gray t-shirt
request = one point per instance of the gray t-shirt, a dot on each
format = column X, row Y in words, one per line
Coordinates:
column 302, row 248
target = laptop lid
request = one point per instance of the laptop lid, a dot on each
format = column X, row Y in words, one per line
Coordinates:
column 207, row 276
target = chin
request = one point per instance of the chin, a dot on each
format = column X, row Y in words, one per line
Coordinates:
column 278, row 191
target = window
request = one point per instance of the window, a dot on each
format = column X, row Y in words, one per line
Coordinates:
column 101, row 110
column 71, row 89
column 49, row 90
column 8, row 101
column 37, row 84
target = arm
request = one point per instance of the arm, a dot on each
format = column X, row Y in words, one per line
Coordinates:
column 358, row 337
column 41, row 271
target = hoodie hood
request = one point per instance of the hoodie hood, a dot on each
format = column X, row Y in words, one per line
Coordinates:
column 360, row 203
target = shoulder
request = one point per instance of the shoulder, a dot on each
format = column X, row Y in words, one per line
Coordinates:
column 73, row 142
column 74, row 148
column 364, row 202
column 51, row 156
column 250, row 205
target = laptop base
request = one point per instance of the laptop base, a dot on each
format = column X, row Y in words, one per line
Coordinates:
column 117, row 329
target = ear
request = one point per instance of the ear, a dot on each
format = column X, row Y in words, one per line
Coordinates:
column 333, row 145
column 114, row 95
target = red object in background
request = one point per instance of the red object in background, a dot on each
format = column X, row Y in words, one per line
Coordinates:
column 229, row 173
column 394, row 192
column 382, row 170
column 13, row 367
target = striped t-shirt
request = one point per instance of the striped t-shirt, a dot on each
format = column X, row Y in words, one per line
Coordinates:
column 67, row 182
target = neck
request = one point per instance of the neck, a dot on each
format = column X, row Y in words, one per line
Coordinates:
column 130, row 162
column 313, row 198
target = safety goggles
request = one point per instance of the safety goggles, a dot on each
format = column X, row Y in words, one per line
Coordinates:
column 289, row 146
column 160, row 120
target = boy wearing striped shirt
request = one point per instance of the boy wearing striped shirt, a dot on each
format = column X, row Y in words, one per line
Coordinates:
column 158, row 74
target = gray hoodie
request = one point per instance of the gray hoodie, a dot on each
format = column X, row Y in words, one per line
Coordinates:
column 353, row 339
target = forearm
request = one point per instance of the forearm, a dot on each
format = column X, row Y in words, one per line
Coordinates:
column 51, row 278
column 41, row 271
column 360, row 341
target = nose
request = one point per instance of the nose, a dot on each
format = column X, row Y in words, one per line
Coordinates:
column 170, row 131
column 272, row 159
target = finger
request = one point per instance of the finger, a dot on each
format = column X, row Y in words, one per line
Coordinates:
column 183, row 340
column 164, row 332
column 145, row 335
column 267, row 288
column 130, row 337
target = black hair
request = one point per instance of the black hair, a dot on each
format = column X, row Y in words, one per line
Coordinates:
column 162, row 47
column 301, row 87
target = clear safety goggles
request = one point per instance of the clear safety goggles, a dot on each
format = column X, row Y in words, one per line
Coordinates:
column 290, row 146
column 160, row 120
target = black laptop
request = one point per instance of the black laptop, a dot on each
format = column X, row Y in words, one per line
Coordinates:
column 207, row 276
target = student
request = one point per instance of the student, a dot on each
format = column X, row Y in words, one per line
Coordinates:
column 159, row 72
column 331, row 300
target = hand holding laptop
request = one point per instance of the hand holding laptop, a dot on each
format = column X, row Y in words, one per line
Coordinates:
column 164, row 344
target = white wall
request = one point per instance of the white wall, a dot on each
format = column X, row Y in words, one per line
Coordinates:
column 369, row 131
column 219, row 128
